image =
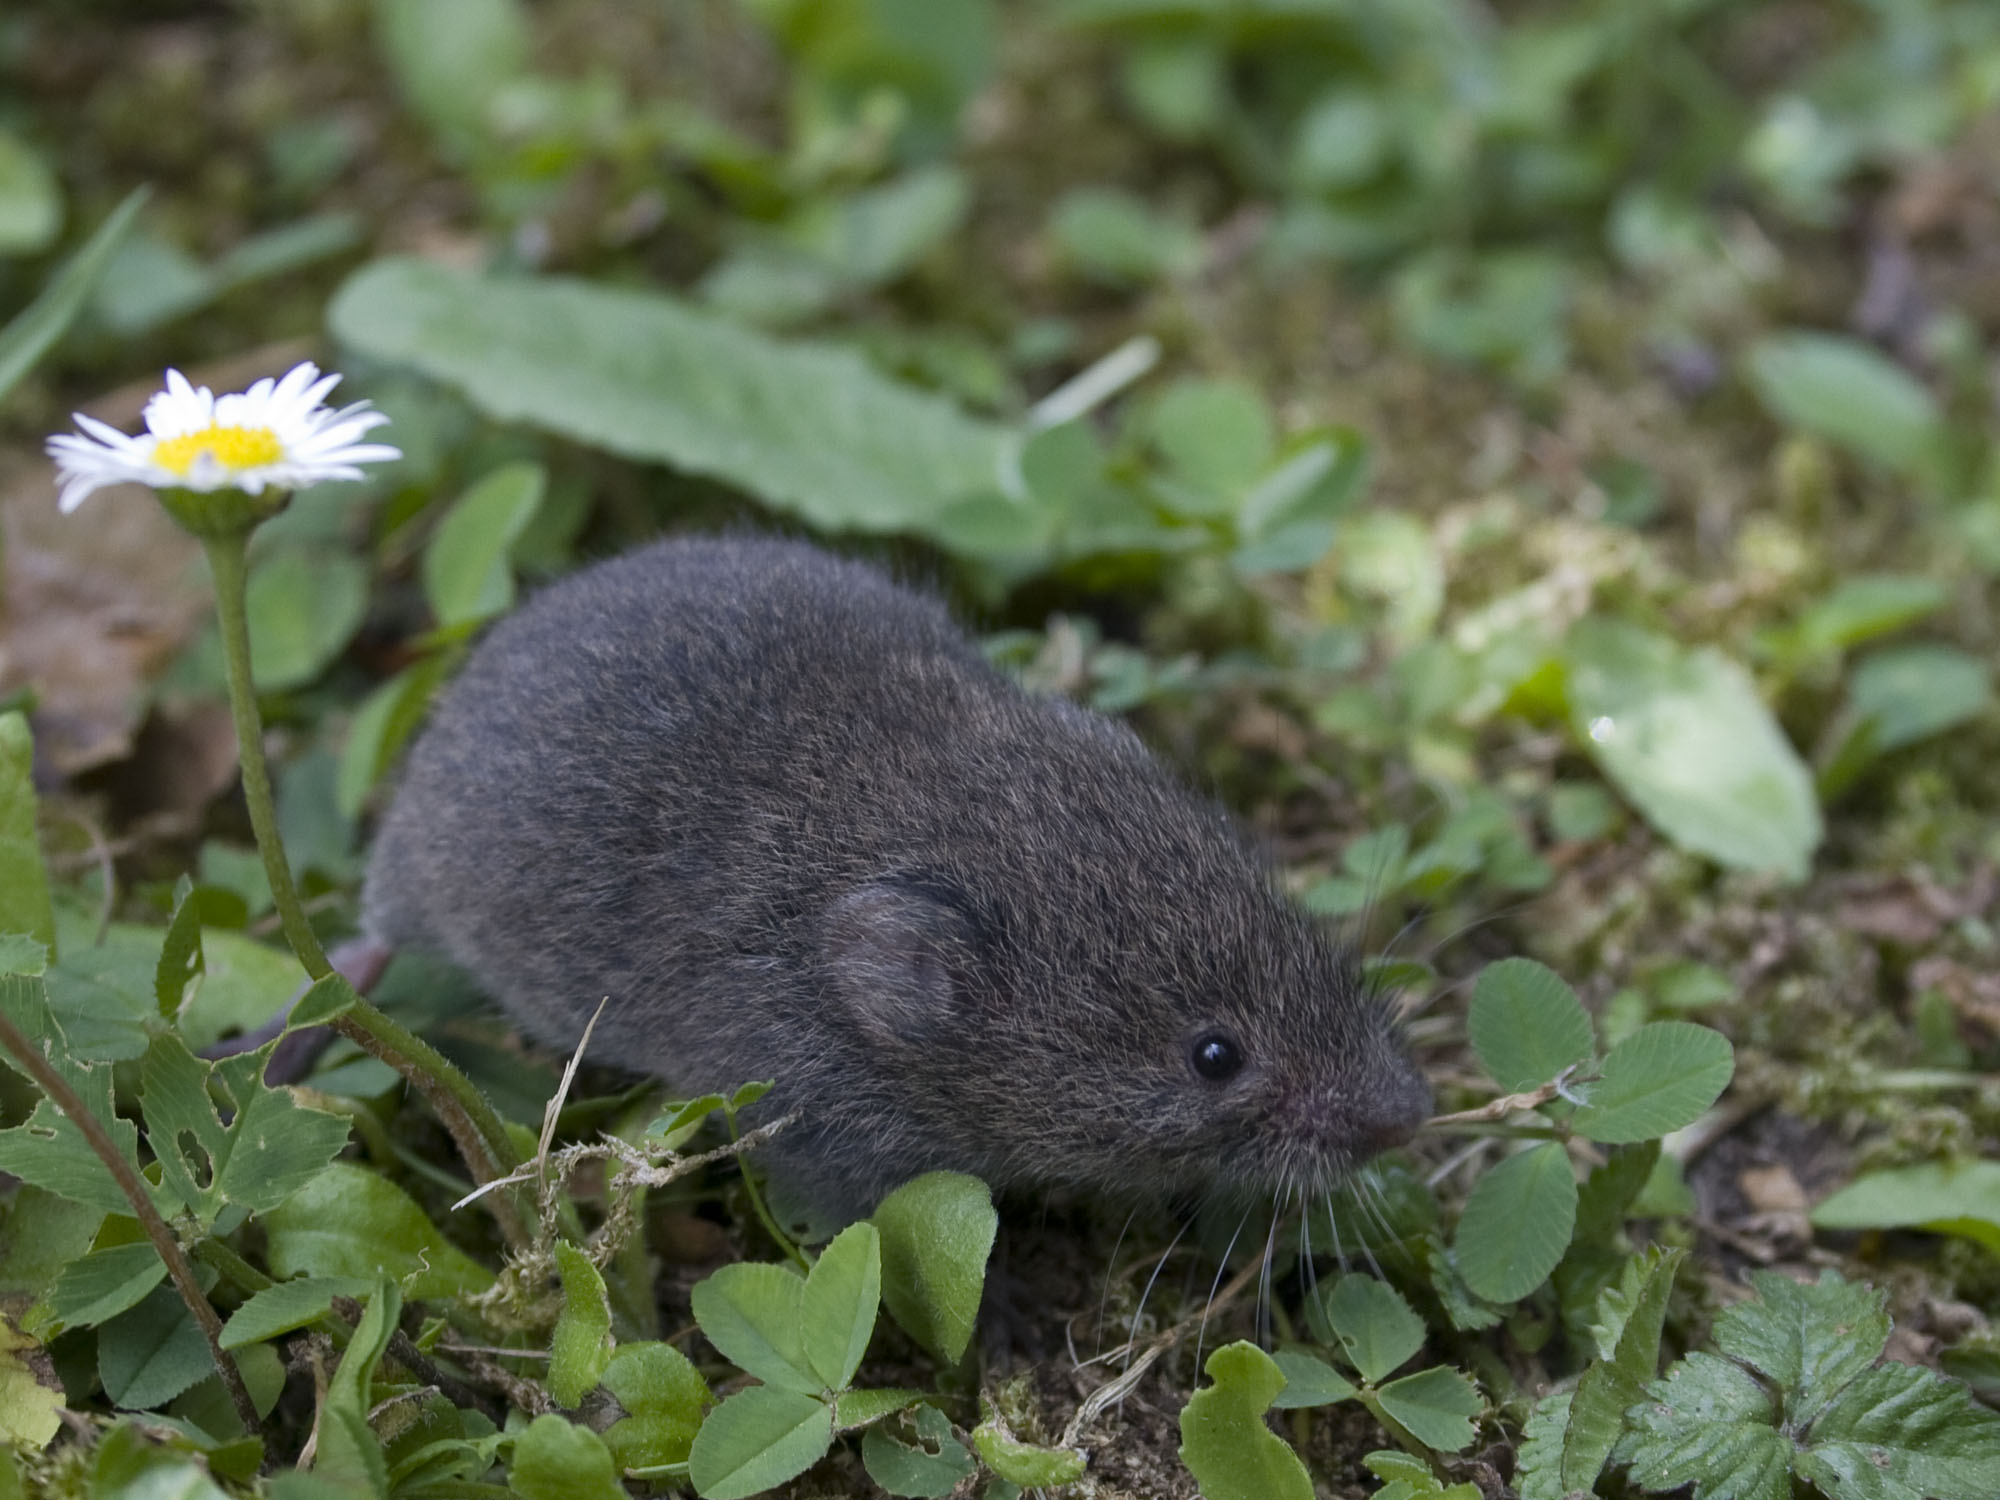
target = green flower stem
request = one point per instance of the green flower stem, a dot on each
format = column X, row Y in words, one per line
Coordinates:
column 481, row 1138
column 66, row 1099
column 778, row 1236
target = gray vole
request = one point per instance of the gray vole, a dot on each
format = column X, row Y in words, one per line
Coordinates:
column 781, row 811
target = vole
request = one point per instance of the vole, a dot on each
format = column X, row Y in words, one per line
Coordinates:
column 782, row 812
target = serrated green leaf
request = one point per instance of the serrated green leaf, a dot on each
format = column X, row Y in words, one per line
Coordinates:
column 1309, row 1381
column 811, row 430
column 554, row 1459
column 1901, row 1432
column 930, row 1469
column 1527, row 1025
column 1709, row 1424
column 937, row 1232
column 467, row 571
column 1952, row 1197
column 581, row 1345
column 1437, row 1405
column 1843, row 390
column 104, row 1283
column 1224, row 1441
column 1538, row 1460
column 287, row 1306
column 1024, row 1463
column 152, row 1352
column 1630, row 1315
column 1377, row 1329
column 753, row 1314
column 1684, row 735
column 757, row 1439
column 838, row 1306
column 1517, row 1224
column 34, row 330
column 349, row 1221
column 1658, row 1079
column 664, row 1398
column 1810, row 1340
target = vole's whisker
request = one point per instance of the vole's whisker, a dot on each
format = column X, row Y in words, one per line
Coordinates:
column 1311, row 1271
column 1333, row 1227
column 1110, row 1269
column 1220, row 1271
column 1264, row 1281
column 1132, row 1336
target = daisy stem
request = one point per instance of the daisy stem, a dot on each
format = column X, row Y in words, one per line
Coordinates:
column 482, row 1139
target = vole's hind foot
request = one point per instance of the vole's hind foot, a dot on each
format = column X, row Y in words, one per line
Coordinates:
column 360, row 961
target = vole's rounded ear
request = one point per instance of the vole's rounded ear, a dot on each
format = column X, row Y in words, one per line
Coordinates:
column 896, row 955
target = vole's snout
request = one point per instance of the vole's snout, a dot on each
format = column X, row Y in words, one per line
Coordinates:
column 1390, row 1113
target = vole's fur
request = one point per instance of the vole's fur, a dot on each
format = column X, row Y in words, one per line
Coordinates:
column 786, row 817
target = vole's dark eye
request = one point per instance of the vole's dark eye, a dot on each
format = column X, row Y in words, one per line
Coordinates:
column 1216, row 1057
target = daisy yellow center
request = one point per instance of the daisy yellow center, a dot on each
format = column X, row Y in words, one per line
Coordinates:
column 234, row 448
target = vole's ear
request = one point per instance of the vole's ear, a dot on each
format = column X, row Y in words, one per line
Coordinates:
column 897, row 955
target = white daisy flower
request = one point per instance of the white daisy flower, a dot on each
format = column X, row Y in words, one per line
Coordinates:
column 277, row 435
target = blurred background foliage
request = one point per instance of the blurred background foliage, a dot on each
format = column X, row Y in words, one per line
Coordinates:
column 1536, row 459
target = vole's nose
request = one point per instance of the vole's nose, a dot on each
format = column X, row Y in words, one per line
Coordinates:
column 1388, row 1114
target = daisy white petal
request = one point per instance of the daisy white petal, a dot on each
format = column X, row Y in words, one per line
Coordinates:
column 277, row 435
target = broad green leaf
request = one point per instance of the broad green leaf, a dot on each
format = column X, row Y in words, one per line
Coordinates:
column 554, row 1459
column 1811, row 1340
column 1224, row 1441
column 1658, row 1079
column 381, row 726
column 1377, row 1329
column 1914, row 692
column 31, row 1396
column 1843, row 390
column 1707, row 1423
column 1437, row 1405
column 1024, row 1463
column 837, row 1308
column 104, row 1283
column 753, row 1313
column 1404, row 1476
column 664, row 1398
column 24, row 886
column 349, row 1221
column 1517, row 1223
column 35, row 329
column 286, row 1306
column 149, row 1354
column 1216, row 436
column 31, row 205
column 1860, row 609
column 937, row 1232
column 1953, row 1197
column 581, row 1345
column 1526, row 1024
column 1309, row 1381
column 756, row 1440
column 811, row 430
column 1899, row 1432
column 1684, row 735
column 467, row 568
column 929, row 1469
column 1115, row 236
column 305, row 605
column 451, row 57
column 1617, row 1381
